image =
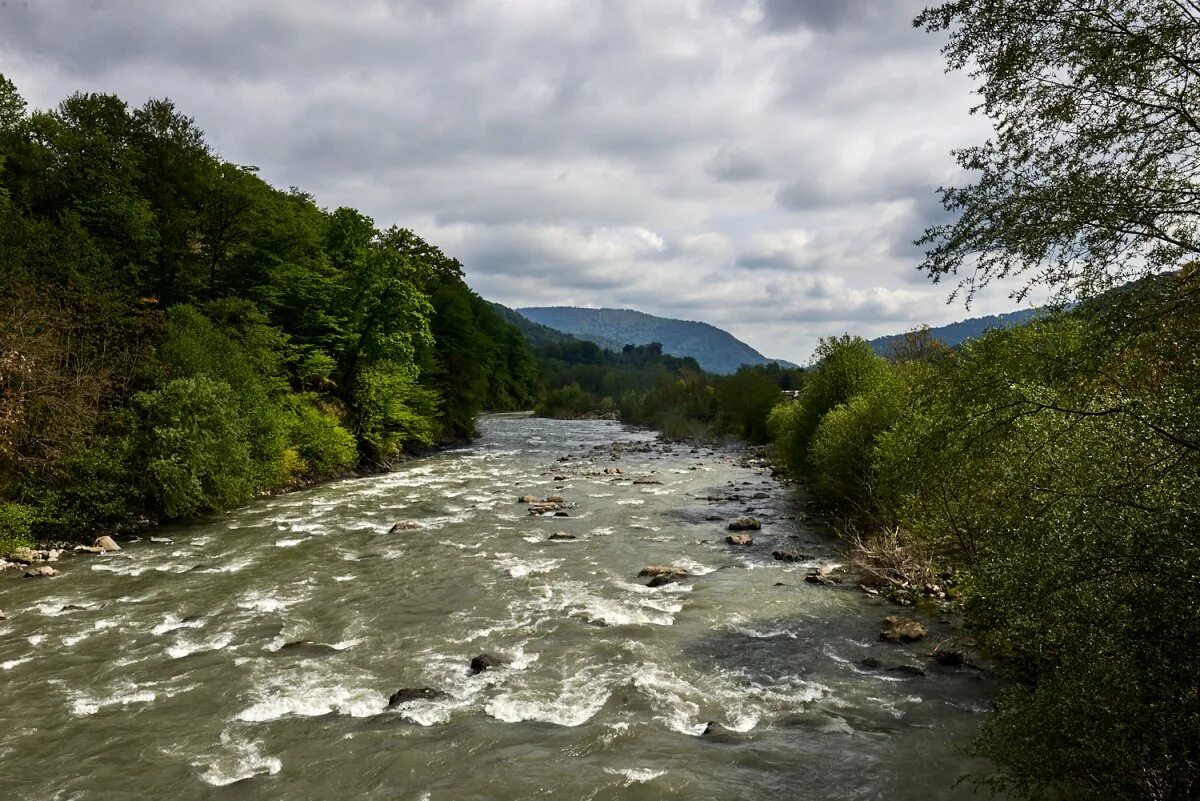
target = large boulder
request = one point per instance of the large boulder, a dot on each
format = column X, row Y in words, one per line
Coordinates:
column 789, row 555
column 307, row 648
column 410, row 694
column 744, row 524
column 663, row 570
column 527, row 499
column 42, row 571
column 556, row 499
column 23, row 555
column 739, row 539
column 902, row 629
column 822, row 575
column 107, row 543
column 715, row 732
column 485, row 662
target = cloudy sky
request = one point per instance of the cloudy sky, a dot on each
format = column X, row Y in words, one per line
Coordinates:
column 762, row 165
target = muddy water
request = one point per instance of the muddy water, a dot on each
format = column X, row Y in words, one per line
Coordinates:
column 164, row 671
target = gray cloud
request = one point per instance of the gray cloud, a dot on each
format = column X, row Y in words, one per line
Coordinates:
column 759, row 164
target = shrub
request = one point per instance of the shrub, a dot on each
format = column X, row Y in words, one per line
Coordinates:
column 15, row 522
column 194, row 446
column 323, row 444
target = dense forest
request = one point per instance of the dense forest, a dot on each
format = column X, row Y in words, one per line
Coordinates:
column 178, row 335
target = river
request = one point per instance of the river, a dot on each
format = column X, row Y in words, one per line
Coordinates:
column 171, row 670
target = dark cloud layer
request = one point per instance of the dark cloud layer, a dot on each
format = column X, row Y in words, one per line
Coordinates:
column 760, row 164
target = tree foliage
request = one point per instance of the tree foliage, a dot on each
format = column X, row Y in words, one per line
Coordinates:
column 179, row 335
column 1090, row 178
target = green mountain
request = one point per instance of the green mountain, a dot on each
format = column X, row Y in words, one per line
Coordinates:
column 955, row 334
column 537, row 335
column 717, row 351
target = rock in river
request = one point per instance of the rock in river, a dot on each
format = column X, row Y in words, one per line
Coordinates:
column 562, row 535
column 23, row 555
column 789, row 555
column 663, row 570
column 744, row 524
column 902, row 629
column 403, row 525
column 410, row 694
column 485, row 662
column 107, row 543
column 740, row 539
column 44, row 571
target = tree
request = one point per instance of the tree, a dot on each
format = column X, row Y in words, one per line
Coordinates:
column 1090, row 178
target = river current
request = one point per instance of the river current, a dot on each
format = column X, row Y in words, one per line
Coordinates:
column 253, row 655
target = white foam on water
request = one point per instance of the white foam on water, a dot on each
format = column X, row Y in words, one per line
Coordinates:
column 631, row 502
column 54, row 609
column 12, row 663
column 36, row 639
column 636, row 775
column 740, row 625
column 577, row 600
column 187, row 646
column 517, row 567
column 200, row 542
column 669, row 693
column 289, row 543
column 71, row 640
column 264, row 601
column 173, row 622
column 318, row 692
column 243, row 760
column 123, row 693
column 600, row 494
column 348, row 577
column 231, row 566
column 693, row 567
column 575, row 703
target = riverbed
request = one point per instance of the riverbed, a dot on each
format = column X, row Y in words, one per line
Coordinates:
column 253, row 656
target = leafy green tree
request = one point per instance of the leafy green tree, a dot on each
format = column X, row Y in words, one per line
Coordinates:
column 1089, row 179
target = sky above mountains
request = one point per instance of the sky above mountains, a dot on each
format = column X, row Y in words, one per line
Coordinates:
column 761, row 165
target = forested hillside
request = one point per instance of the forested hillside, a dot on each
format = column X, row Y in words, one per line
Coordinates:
column 954, row 334
column 179, row 335
column 715, row 350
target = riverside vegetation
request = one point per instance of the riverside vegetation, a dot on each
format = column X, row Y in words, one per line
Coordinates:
column 178, row 335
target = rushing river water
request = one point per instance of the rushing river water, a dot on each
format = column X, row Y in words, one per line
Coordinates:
column 164, row 670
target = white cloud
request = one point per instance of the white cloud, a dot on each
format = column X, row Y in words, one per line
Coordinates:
column 759, row 164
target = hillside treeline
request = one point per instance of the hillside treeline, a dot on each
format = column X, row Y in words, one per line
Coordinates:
column 178, row 335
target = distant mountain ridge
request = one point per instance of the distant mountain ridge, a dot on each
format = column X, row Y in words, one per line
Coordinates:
column 716, row 350
column 955, row 334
